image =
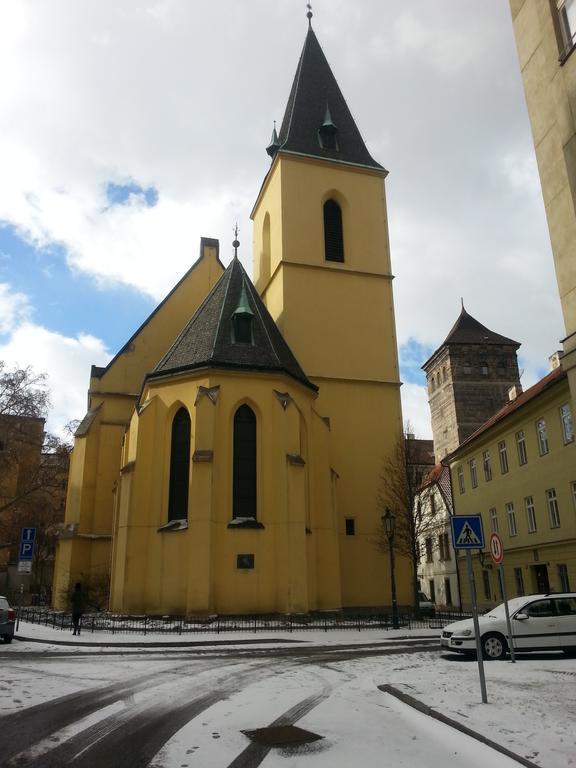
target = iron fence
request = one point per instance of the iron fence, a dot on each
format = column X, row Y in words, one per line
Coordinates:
column 114, row 623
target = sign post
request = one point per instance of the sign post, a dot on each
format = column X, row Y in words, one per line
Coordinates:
column 467, row 534
column 497, row 553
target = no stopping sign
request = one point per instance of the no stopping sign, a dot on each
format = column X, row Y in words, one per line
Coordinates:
column 496, row 548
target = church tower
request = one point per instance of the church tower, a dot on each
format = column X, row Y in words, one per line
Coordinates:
column 469, row 378
column 322, row 267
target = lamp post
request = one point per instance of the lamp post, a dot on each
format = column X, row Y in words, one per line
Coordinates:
column 389, row 523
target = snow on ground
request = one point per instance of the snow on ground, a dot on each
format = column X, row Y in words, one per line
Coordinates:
column 531, row 706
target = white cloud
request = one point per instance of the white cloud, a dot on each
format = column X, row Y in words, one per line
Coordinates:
column 416, row 411
column 14, row 308
column 65, row 360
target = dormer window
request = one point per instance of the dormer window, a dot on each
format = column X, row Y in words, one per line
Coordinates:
column 327, row 133
column 242, row 321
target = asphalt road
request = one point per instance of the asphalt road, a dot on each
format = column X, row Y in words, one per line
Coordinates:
column 126, row 723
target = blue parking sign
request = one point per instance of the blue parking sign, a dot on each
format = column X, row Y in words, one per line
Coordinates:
column 467, row 532
column 27, row 539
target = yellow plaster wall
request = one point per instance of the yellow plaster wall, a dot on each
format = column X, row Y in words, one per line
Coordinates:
column 194, row 570
column 550, row 89
column 556, row 469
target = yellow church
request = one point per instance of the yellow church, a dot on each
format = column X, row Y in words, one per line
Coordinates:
column 230, row 458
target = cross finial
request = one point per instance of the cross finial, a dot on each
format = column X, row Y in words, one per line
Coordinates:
column 236, row 242
column 462, row 300
column 309, row 14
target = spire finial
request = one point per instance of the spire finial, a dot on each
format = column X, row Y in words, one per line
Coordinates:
column 236, row 242
column 462, row 300
column 309, row 15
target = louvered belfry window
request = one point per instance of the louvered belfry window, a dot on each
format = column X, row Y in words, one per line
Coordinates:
column 333, row 237
column 244, row 473
column 179, row 466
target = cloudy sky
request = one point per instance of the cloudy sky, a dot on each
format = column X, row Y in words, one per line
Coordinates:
column 129, row 129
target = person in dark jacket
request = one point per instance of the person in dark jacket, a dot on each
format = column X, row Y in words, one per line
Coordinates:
column 77, row 607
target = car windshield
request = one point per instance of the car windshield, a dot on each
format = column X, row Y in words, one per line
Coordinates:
column 500, row 612
column 3, row 603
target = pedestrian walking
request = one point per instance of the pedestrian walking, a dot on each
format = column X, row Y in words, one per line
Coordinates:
column 77, row 607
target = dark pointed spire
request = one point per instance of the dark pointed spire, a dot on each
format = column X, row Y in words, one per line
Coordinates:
column 467, row 330
column 274, row 145
column 315, row 87
column 232, row 330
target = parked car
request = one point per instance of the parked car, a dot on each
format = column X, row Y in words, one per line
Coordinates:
column 538, row 622
column 7, row 619
column 425, row 605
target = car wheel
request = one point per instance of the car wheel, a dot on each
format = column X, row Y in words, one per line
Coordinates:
column 494, row 646
column 7, row 638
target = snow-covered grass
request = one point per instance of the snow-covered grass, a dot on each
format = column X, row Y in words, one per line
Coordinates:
column 531, row 706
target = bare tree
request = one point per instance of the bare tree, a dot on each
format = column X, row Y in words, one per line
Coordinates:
column 33, row 467
column 400, row 482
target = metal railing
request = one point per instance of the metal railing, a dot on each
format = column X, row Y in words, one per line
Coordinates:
column 114, row 623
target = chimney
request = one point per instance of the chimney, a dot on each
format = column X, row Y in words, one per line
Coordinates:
column 554, row 360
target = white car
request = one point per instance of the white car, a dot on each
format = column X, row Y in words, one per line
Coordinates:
column 538, row 622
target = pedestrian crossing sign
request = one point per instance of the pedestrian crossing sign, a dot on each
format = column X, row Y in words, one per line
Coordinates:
column 467, row 532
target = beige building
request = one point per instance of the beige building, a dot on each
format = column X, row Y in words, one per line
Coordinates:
column 545, row 33
column 519, row 472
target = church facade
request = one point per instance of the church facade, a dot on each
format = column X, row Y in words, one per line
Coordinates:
column 231, row 457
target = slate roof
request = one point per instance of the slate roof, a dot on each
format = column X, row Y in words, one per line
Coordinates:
column 467, row 330
column 549, row 381
column 207, row 340
column 315, row 88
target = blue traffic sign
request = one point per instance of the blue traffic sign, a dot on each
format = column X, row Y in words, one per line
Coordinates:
column 27, row 539
column 467, row 532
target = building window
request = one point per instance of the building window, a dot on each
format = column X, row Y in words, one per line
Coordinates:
column 333, row 236
column 432, row 503
column 530, row 514
column 486, row 584
column 512, row 530
column 487, row 466
column 566, row 26
column 573, row 486
column 179, row 466
column 244, row 469
column 432, row 591
column 519, row 579
column 567, row 425
column 542, row 437
column 444, row 375
column 563, row 577
column 484, row 368
column 448, row 591
column 553, row 510
column 350, row 526
column 473, row 473
column 429, row 557
column 494, row 520
column 503, row 455
column 460, row 473
column 521, row 445
column 467, row 367
column 444, row 546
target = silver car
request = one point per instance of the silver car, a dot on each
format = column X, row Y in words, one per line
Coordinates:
column 539, row 623
column 7, row 619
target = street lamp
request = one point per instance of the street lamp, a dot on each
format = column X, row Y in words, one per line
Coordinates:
column 389, row 523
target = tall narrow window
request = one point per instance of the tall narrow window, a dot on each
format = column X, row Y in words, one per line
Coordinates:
column 244, row 472
column 473, row 473
column 530, row 514
column 521, row 445
column 179, row 466
column 487, row 465
column 512, row 530
column 460, row 472
column 503, row 453
column 542, row 437
column 333, row 236
column 494, row 519
column 553, row 509
column 567, row 426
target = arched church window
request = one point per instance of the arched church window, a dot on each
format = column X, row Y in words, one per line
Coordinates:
column 266, row 249
column 333, row 236
column 179, row 466
column 244, row 468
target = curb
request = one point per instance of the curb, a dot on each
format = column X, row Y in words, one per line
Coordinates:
column 426, row 710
